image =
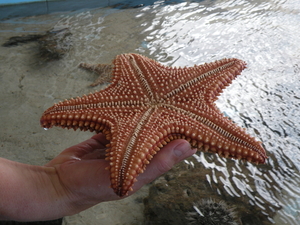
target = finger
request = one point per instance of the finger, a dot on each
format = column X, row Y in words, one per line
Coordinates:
column 96, row 154
column 168, row 156
column 165, row 159
column 100, row 138
column 96, row 142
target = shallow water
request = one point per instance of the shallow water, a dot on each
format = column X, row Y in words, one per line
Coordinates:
column 265, row 99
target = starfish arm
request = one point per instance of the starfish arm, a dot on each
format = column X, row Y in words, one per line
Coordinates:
column 127, row 158
column 204, row 82
column 207, row 80
column 104, row 71
column 77, row 117
column 209, row 132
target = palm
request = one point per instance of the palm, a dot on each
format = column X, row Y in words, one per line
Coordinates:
column 81, row 170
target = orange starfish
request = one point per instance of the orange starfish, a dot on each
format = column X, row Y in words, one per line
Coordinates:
column 148, row 105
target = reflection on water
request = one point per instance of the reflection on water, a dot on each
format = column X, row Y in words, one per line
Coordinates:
column 265, row 99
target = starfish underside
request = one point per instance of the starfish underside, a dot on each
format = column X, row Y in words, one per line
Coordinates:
column 148, row 105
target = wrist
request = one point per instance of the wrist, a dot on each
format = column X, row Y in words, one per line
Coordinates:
column 30, row 193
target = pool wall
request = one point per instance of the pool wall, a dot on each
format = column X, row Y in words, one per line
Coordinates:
column 44, row 7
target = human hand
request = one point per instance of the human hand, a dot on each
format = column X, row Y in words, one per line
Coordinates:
column 73, row 181
column 82, row 174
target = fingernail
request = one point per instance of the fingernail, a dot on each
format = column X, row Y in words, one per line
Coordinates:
column 180, row 149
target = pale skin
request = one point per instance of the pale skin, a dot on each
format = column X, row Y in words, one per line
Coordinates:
column 73, row 181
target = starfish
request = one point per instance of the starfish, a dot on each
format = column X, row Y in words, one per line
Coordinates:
column 104, row 70
column 147, row 105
